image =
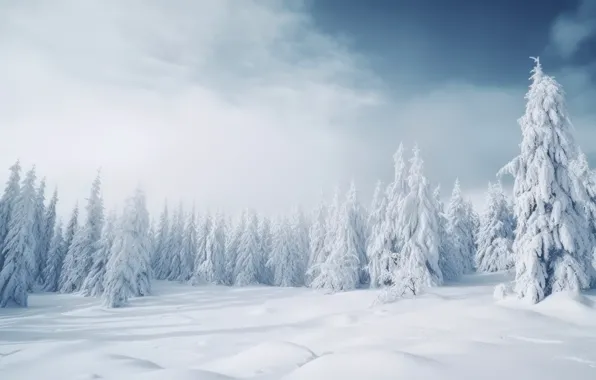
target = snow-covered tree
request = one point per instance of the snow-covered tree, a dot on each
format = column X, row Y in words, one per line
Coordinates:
column 446, row 260
column 213, row 269
column 248, row 260
column 342, row 270
column 316, row 236
column 204, row 226
column 49, row 225
column 93, row 286
column 421, row 235
column 129, row 266
column 265, row 248
column 396, row 191
column 8, row 203
column 286, row 261
column 161, row 265
column 233, row 236
column 19, row 247
column 85, row 242
column 378, row 249
column 188, row 249
column 55, row 260
column 39, row 230
column 331, row 223
column 552, row 247
column 175, row 252
column 461, row 235
column 495, row 236
column 68, row 263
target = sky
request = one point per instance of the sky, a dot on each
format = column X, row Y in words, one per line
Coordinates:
column 266, row 104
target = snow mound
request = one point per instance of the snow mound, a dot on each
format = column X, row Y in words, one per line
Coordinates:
column 264, row 359
column 568, row 306
column 177, row 374
column 372, row 363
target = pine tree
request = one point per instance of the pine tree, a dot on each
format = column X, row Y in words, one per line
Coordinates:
column 378, row 247
column 85, row 242
column 8, row 203
column 495, row 237
column 49, row 225
column 19, row 247
column 55, row 260
column 174, row 253
column 161, row 264
column 265, row 248
column 189, row 247
column 248, row 260
column 213, row 269
column 202, row 233
column 93, row 286
column 68, row 264
column 286, row 261
column 552, row 245
column 420, row 234
column 447, row 262
column 128, row 269
column 357, row 232
column 316, row 235
column 233, row 236
column 396, row 192
column 39, row 230
column 461, row 235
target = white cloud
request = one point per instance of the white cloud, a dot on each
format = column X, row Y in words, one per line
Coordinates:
column 570, row 30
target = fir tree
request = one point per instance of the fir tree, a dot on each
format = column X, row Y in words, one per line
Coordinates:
column 552, row 246
column 286, row 261
column 316, row 235
column 174, row 254
column 420, row 234
column 496, row 233
column 265, row 248
column 55, row 261
column 68, row 263
column 461, row 235
column 19, row 247
column 202, row 233
column 213, row 269
column 378, row 247
column 49, row 225
column 93, row 286
column 161, row 265
column 233, row 236
column 248, row 259
column 8, row 203
column 39, row 230
column 189, row 247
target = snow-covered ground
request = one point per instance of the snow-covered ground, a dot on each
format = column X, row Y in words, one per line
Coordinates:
column 208, row 333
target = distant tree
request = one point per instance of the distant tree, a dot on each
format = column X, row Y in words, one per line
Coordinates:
column 189, row 247
column 161, row 264
column 213, row 269
column 496, row 233
column 233, row 236
column 175, row 252
column 93, row 286
column 317, row 235
column 547, row 207
column 286, row 261
column 19, row 247
column 39, row 230
column 461, row 234
column 55, row 260
column 378, row 247
column 68, row 264
column 248, row 260
column 265, row 248
column 49, row 226
column 8, row 203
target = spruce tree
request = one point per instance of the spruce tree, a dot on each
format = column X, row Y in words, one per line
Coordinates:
column 265, row 248
column 19, row 247
column 49, row 225
column 378, row 247
column 317, row 243
column 68, row 264
column 495, row 237
column 248, row 260
column 286, row 261
column 421, row 235
column 39, row 228
column 552, row 246
column 213, row 269
column 161, row 264
column 233, row 236
column 93, row 286
column 188, row 251
column 8, row 203
column 174, row 253
column 55, row 260
column 202, row 233
column 461, row 235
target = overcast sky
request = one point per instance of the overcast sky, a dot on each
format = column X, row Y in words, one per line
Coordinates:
column 264, row 104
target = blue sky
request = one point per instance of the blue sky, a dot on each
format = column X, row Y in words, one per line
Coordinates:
column 262, row 103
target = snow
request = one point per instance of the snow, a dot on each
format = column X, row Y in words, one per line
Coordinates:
column 457, row 331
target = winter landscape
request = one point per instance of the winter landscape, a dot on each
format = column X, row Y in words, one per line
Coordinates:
column 415, row 283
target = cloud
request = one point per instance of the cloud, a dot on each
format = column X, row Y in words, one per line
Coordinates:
column 572, row 29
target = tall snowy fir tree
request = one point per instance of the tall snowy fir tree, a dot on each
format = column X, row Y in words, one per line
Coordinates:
column 378, row 247
column 233, row 236
column 213, row 269
column 188, row 249
column 39, row 229
column 316, row 236
column 265, row 248
column 299, row 239
column 8, row 203
column 174, row 254
column 85, row 242
column 49, row 225
column 552, row 246
column 445, row 251
column 69, row 258
column 19, row 247
column 55, row 260
column 204, row 226
column 286, row 261
column 248, row 259
column 331, row 223
column 461, row 234
column 396, row 191
column 93, row 286
column 421, row 235
column 162, row 246
column 128, row 270
column 496, row 233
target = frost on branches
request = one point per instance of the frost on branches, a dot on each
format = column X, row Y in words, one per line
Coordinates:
column 552, row 245
column 495, row 236
column 420, row 235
